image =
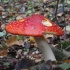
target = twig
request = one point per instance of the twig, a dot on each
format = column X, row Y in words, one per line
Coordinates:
column 56, row 11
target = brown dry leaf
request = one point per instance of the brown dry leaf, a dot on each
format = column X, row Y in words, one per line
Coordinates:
column 60, row 14
column 11, row 41
column 21, row 42
column 4, row 52
column 67, row 61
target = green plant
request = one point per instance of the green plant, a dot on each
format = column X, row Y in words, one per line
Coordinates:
column 30, row 8
column 3, row 45
column 65, row 66
column 19, row 37
column 64, row 44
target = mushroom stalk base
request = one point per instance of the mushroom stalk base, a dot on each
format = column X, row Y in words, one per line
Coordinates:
column 45, row 49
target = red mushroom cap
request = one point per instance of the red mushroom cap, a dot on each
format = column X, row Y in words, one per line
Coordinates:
column 34, row 25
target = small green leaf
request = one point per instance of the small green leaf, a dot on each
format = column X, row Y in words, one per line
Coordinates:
column 65, row 66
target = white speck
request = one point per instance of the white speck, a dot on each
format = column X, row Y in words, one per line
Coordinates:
column 46, row 23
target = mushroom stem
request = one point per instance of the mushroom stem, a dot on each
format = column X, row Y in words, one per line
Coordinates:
column 45, row 49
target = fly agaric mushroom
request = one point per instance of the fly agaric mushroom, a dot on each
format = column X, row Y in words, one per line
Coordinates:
column 36, row 25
